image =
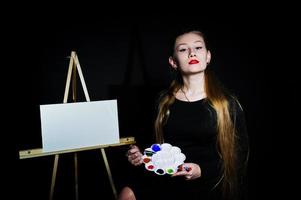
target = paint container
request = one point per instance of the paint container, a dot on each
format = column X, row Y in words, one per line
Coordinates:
column 146, row 159
column 150, row 166
column 171, row 170
column 149, row 152
column 179, row 158
column 160, row 171
column 175, row 150
column 156, row 147
column 166, row 147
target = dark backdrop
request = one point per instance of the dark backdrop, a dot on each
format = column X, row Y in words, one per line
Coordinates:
column 126, row 57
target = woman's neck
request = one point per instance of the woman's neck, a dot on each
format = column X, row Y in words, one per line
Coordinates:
column 194, row 84
column 193, row 88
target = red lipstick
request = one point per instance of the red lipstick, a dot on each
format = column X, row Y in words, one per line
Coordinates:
column 193, row 62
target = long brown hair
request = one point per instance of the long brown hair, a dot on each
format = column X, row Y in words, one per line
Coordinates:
column 217, row 98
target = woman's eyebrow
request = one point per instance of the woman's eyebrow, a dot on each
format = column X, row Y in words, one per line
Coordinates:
column 199, row 41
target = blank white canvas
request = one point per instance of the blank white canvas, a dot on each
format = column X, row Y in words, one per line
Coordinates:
column 77, row 125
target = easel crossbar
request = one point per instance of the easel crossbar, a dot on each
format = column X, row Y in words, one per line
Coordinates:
column 31, row 153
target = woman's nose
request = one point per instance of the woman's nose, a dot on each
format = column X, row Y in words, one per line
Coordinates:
column 191, row 53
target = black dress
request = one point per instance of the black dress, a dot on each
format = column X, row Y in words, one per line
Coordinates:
column 192, row 127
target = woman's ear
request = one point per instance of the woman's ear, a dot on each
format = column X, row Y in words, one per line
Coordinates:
column 173, row 63
column 208, row 57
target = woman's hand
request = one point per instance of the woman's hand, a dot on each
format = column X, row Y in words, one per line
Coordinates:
column 190, row 171
column 134, row 155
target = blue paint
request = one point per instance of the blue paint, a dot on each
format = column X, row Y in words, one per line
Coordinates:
column 156, row 147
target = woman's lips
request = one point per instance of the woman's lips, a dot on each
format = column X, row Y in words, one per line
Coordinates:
column 193, row 62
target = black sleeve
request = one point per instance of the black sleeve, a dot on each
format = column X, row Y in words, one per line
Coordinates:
column 210, row 171
column 242, row 147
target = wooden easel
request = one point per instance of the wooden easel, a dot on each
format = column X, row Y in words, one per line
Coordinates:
column 74, row 67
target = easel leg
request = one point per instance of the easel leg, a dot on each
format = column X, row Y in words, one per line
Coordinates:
column 109, row 172
column 76, row 175
column 55, row 164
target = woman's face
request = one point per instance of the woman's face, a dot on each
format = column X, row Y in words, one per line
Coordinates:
column 190, row 54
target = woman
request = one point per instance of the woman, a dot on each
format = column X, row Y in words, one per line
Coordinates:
column 198, row 115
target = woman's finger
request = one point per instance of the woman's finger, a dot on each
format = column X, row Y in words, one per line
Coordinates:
column 136, row 161
column 180, row 173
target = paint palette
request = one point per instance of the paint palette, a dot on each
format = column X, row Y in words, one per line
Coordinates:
column 163, row 158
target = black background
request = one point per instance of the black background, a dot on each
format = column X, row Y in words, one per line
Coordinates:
column 126, row 57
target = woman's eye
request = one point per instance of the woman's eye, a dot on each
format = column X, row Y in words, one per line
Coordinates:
column 182, row 50
column 198, row 48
